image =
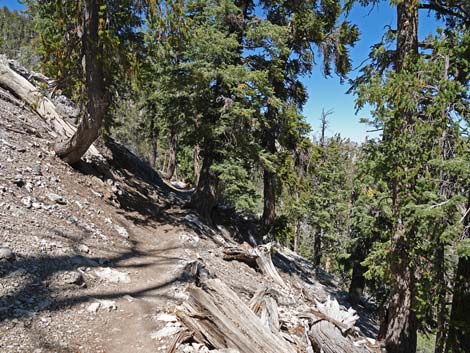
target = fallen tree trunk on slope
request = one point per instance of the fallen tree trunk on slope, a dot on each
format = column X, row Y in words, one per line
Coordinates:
column 329, row 326
column 21, row 88
column 258, row 258
column 219, row 319
column 264, row 305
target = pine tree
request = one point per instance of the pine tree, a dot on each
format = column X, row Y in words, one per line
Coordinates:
column 415, row 102
column 86, row 46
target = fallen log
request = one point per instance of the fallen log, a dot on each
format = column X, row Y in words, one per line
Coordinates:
column 21, row 88
column 266, row 265
column 234, row 253
column 220, row 319
column 264, row 305
column 258, row 258
column 180, row 338
column 329, row 325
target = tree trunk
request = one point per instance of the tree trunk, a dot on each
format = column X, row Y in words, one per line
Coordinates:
column 196, row 164
column 14, row 82
column 358, row 282
column 204, row 197
column 458, row 340
column 407, row 29
column 400, row 325
column 269, row 189
column 441, row 299
column 154, row 149
column 269, row 199
column 317, row 247
column 298, row 228
column 171, row 167
column 97, row 101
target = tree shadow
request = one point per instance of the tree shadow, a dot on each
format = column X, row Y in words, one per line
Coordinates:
column 143, row 196
column 37, row 292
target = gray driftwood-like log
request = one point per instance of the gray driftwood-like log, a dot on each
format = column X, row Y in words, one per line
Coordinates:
column 258, row 258
column 219, row 318
column 21, row 88
column 264, row 305
column 235, row 253
column 329, row 325
column 181, row 337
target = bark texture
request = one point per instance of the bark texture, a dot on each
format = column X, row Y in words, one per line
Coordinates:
column 219, row 319
column 204, row 197
column 458, row 340
column 358, row 282
column 317, row 247
column 196, row 164
column 269, row 197
column 399, row 329
column 171, row 167
column 97, row 103
column 229, row 322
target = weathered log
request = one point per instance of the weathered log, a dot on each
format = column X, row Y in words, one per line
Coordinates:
column 21, row 88
column 264, row 305
column 329, row 324
column 258, row 258
column 219, row 318
column 180, row 338
column 266, row 265
column 234, row 253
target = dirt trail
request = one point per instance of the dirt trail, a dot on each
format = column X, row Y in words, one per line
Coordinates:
column 64, row 226
column 153, row 288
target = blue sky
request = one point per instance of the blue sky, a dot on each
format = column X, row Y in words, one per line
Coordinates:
column 328, row 93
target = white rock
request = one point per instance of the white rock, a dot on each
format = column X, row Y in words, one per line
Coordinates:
column 128, row 298
column 168, row 330
column 188, row 349
column 121, row 231
column 166, row 317
column 200, row 348
column 56, row 198
column 180, row 295
column 6, row 254
column 108, row 304
column 27, row 202
column 93, row 307
column 83, row 248
column 114, row 276
column 29, row 187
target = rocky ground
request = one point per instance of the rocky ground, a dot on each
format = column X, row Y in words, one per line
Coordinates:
column 93, row 259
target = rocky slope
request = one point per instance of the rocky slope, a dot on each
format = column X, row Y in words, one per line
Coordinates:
column 97, row 258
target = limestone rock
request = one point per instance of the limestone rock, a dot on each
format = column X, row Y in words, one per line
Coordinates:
column 6, row 254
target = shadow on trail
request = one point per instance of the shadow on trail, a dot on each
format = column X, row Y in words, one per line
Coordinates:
column 37, row 291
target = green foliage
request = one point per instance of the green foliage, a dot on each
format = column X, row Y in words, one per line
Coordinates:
column 59, row 27
column 426, row 343
column 236, row 189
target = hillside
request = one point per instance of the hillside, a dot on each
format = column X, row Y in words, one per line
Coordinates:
column 105, row 257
